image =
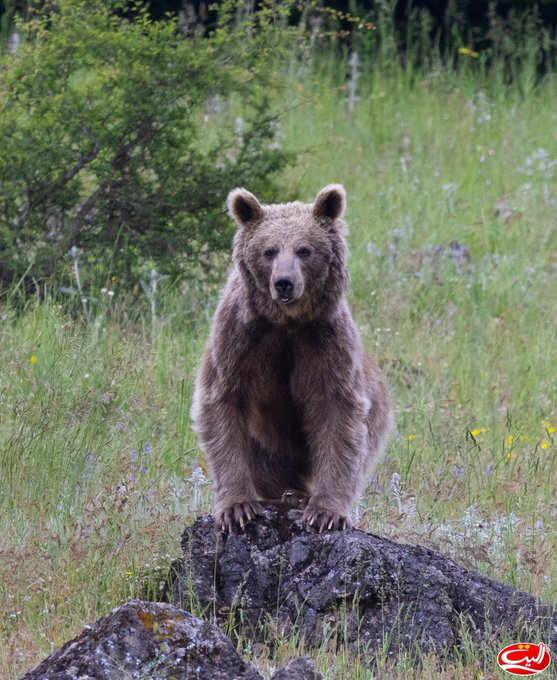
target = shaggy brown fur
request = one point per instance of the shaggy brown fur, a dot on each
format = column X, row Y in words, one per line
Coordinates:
column 287, row 401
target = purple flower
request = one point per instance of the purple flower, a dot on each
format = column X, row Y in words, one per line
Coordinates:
column 89, row 461
column 458, row 470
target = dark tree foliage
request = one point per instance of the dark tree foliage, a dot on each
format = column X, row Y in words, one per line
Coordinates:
column 116, row 139
column 485, row 25
column 465, row 16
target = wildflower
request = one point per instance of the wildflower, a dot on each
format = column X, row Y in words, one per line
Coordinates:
column 412, row 436
column 468, row 52
column 551, row 429
column 548, row 426
column 89, row 463
column 458, row 470
column 395, row 489
column 510, row 440
column 545, row 444
column 33, row 358
column 478, row 430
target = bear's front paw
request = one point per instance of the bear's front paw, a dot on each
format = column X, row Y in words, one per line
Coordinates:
column 318, row 515
column 228, row 517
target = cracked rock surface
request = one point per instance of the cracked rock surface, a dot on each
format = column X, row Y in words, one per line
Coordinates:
column 373, row 591
column 146, row 640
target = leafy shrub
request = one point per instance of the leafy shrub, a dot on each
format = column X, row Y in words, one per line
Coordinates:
column 105, row 145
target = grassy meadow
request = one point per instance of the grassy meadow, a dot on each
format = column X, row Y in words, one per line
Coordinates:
column 452, row 190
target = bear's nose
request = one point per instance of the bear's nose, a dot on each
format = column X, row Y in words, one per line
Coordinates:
column 284, row 286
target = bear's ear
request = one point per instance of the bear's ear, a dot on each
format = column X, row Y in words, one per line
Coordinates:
column 330, row 202
column 244, row 207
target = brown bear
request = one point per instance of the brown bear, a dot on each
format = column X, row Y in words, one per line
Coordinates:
column 288, row 404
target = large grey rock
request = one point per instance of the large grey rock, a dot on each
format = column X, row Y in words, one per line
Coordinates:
column 147, row 640
column 362, row 589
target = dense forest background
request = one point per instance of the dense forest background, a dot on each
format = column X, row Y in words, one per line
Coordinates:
column 483, row 22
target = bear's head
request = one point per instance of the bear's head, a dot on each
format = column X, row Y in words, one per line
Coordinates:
column 292, row 256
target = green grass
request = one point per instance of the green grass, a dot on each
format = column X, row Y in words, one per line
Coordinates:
column 468, row 347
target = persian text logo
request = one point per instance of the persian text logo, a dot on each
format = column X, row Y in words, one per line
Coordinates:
column 524, row 658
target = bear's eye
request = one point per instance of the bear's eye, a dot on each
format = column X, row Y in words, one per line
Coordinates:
column 270, row 253
column 303, row 252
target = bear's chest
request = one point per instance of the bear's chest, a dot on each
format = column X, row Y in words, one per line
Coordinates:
column 274, row 417
column 270, row 365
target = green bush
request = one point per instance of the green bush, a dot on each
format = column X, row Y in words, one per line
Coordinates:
column 106, row 143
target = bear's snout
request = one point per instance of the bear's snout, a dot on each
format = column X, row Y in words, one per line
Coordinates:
column 284, row 285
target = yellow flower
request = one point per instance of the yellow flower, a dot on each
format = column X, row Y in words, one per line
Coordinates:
column 469, row 52
column 129, row 573
column 412, row 436
column 549, row 427
column 545, row 444
column 510, row 440
column 33, row 358
column 478, row 430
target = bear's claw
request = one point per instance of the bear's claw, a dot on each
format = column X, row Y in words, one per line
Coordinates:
column 322, row 519
column 237, row 513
